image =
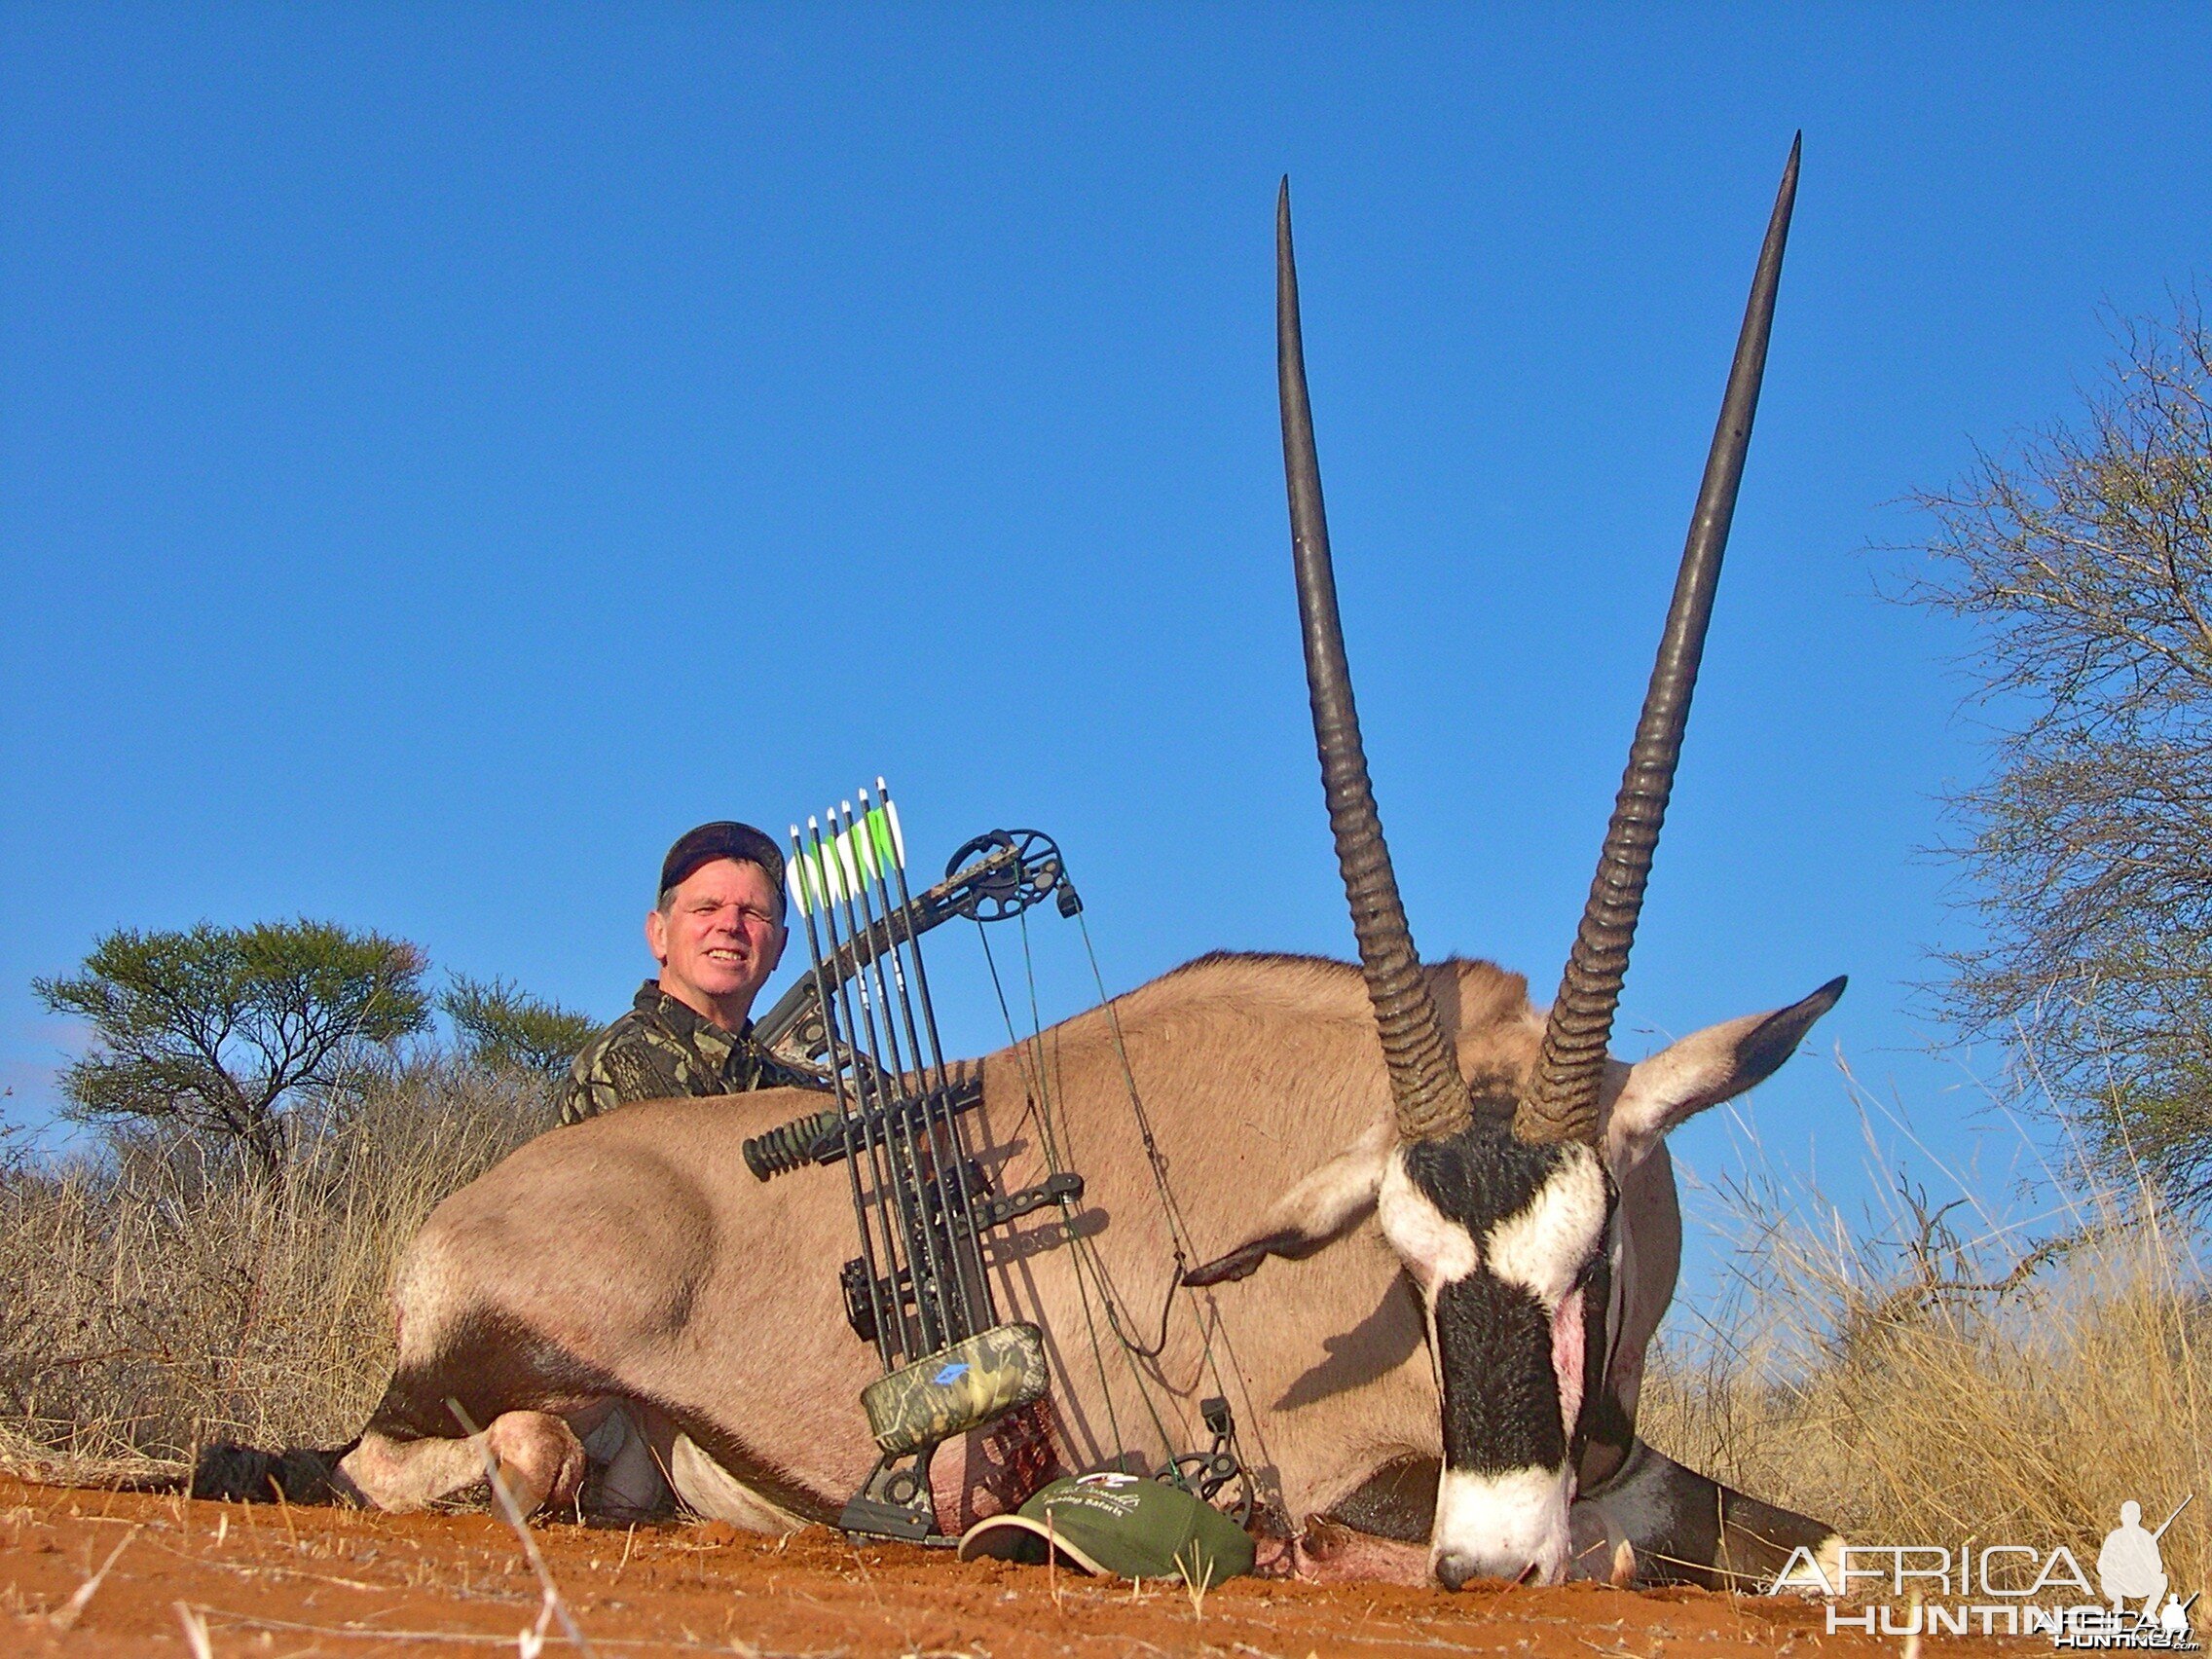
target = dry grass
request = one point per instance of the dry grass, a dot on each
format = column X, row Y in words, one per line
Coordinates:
column 1899, row 1377
column 161, row 1298
column 1931, row 1376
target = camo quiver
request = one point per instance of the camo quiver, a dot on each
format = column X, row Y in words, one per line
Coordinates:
column 956, row 1389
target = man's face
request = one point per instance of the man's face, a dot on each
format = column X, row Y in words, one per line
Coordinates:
column 716, row 938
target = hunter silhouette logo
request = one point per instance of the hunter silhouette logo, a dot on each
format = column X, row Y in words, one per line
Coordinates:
column 1987, row 1588
column 2129, row 1569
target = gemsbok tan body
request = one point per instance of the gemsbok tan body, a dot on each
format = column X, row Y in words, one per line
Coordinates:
column 1437, row 1227
column 635, row 1256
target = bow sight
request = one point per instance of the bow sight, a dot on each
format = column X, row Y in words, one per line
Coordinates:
column 920, row 1289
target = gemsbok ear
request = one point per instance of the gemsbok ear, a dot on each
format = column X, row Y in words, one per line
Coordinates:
column 1704, row 1069
column 1314, row 1214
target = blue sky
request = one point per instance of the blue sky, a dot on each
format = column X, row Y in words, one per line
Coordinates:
column 448, row 451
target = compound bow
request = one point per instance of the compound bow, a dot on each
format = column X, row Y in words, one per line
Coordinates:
column 918, row 1290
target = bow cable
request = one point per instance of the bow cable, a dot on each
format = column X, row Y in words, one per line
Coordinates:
column 1091, row 1265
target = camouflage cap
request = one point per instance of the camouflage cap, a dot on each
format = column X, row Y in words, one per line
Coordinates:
column 1118, row 1524
column 723, row 839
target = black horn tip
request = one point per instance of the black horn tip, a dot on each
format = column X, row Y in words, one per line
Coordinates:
column 1831, row 993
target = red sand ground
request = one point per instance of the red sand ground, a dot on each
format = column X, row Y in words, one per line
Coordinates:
column 291, row 1582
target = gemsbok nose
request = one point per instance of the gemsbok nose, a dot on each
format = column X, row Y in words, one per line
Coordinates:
column 1456, row 1568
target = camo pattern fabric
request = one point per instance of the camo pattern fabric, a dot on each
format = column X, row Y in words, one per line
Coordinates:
column 962, row 1388
column 662, row 1050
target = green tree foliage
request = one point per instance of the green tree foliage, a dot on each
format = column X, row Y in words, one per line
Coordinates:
column 227, row 1030
column 2084, row 559
column 501, row 1025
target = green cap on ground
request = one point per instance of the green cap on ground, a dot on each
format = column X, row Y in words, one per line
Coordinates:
column 1118, row 1524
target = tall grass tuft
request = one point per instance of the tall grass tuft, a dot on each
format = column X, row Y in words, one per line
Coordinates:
column 1927, row 1377
column 162, row 1295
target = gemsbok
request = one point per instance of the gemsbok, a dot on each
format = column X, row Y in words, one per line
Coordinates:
column 1470, row 1203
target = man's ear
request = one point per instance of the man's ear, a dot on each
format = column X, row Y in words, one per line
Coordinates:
column 1704, row 1069
column 1317, row 1212
column 656, row 935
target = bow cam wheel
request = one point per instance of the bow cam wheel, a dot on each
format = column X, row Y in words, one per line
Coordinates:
column 1205, row 1474
column 1010, row 888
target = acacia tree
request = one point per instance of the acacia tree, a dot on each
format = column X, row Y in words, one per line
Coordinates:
column 2084, row 559
column 226, row 1030
column 501, row 1025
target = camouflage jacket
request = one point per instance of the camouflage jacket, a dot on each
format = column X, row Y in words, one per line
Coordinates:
column 660, row 1050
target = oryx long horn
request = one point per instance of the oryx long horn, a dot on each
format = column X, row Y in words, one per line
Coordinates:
column 1563, row 1099
column 1424, row 1080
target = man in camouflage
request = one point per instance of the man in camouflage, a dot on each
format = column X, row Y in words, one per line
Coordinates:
column 718, row 933
column 717, row 930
